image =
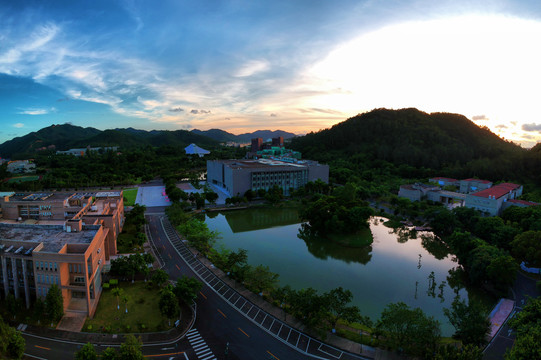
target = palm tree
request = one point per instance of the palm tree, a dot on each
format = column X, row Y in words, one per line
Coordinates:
column 125, row 300
column 117, row 292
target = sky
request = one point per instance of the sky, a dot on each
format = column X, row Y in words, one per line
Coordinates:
column 294, row 65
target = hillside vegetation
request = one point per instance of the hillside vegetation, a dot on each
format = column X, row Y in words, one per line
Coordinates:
column 442, row 143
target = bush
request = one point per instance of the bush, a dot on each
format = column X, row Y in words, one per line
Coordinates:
column 113, row 282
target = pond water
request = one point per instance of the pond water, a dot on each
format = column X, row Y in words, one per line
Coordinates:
column 396, row 267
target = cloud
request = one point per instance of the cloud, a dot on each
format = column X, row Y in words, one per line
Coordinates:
column 273, row 115
column 514, row 123
column 501, row 126
column 532, row 127
column 36, row 111
column 64, row 99
column 252, row 67
column 324, row 111
column 194, row 111
column 227, row 119
column 479, row 117
column 18, row 125
column 177, row 109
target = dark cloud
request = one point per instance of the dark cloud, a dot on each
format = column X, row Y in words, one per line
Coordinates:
column 324, row 111
column 194, row 111
column 227, row 118
column 177, row 109
column 501, row 126
column 479, row 117
column 532, row 127
column 273, row 115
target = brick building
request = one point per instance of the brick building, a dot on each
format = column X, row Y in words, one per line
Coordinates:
column 63, row 239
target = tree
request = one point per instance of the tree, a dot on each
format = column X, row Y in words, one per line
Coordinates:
column 109, row 354
column 260, row 279
column 409, row 330
column 187, row 289
column 168, row 303
column 338, row 299
column 54, row 303
column 12, row 344
column 527, row 325
column 118, row 292
column 469, row 320
column 125, row 299
column 160, row 277
column 130, row 349
column 468, row 352
column 526, row 247
column 87, row 352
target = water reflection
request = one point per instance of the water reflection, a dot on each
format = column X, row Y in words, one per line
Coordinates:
column 435, row 246
column 323, row 248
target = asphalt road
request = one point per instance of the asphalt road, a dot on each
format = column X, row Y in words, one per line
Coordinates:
column 218, row 323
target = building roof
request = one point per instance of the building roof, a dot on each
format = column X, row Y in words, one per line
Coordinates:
column 497, row 191
column 522, row 202
column 262, row 164
column 194, row 149
column 53, row 237
column 478, row 180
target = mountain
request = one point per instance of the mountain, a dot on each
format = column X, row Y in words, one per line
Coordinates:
column 265, row 134
column 217, row 134
column 224, row 136
column 415, row 138
column 59, row 135
column 67, row 136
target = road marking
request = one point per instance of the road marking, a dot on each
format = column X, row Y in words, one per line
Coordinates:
column 170, row 354
column 242, row 331
column 42, row 347
column 169, row 256
column 177, row 266
column 222, row 313
column 271, row 354
column 203, row 295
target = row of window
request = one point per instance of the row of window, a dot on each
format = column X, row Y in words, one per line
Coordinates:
column 45, row 279
column 75, row 268
column 47, row 266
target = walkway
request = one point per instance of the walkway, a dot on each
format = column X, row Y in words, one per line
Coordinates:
column 268, row 322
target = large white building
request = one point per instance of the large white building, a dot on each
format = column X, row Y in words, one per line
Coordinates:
column 238, row 176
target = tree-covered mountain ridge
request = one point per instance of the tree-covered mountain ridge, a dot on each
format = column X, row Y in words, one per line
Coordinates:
column 67, row 136
column 409, row 136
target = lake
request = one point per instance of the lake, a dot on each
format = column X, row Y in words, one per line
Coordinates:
column 396, row 267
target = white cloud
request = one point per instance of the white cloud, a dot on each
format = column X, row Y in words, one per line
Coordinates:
column 18, row 125
column 34, row 112
column 252, row 67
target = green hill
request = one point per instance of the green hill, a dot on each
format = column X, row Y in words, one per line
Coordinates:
column 439, row 141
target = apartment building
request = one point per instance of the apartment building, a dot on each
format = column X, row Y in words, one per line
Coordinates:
column 63, row 239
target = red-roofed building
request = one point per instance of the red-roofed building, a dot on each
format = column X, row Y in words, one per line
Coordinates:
column 519, row 203
column 491, row 200
column 468, row 186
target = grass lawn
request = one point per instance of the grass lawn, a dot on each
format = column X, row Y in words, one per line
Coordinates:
column 130, row 195
column 143, row 309
column 23, row 178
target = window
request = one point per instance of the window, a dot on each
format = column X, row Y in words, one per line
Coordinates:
column 70, row 270
column 55, row 267
column 46, row 279
column 50, row 266
column 56, row 279
column 39, row 291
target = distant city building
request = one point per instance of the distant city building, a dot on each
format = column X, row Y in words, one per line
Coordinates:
column 83, row 151
column 278, row 141
column 193, row 149
column 63, row 239
column 257, row 144
column 21, row 166
column 238, row 176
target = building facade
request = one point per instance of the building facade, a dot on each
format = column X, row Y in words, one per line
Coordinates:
column 238, row 176
column 491, row 200
column 62, row 239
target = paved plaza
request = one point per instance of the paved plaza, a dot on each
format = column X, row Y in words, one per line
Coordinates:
column 151, row 196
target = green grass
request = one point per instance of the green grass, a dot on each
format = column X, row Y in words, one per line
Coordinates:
column 130, row 195
column 143, row 308
column 125, row 243
column 23, row 178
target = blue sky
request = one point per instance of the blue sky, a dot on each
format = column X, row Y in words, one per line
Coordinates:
column 245, row 65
